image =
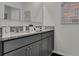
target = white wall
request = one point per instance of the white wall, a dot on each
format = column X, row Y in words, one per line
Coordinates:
column 66, row 36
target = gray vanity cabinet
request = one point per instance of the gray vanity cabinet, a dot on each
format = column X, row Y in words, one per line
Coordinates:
column 41, row 44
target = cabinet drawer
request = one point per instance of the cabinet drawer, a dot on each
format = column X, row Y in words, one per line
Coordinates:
column 46, row 34
column 19, row 52
column 34, row 38
column 11, row 45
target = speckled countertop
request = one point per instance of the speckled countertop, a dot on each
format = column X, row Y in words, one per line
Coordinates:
column 19, row 35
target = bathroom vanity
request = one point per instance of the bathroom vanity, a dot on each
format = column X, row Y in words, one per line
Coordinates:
column 30, row 44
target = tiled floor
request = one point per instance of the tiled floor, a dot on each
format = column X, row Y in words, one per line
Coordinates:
column 55, row 54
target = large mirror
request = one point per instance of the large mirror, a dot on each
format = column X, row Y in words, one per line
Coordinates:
column 11, row 13
column 33, row 11
column 24, row 11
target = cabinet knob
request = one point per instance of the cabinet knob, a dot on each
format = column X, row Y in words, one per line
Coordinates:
column 30, row 46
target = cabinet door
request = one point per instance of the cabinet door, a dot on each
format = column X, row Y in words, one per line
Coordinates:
column 28, row 51
column 50, row 44
column 19, row 52
column 44, row 47
column 35, row 48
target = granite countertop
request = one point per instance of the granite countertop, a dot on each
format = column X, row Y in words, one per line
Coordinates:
column 23, row 34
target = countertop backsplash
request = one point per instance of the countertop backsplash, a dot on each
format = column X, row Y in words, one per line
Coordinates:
column 6, row 31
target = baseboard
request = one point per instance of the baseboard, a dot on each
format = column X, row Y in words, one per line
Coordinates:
column 51, row 53
column 58, row 53
column 64, row 54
